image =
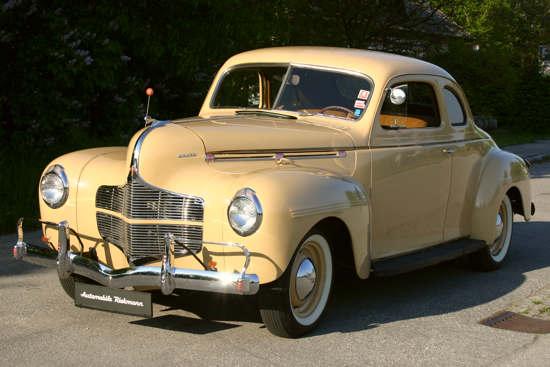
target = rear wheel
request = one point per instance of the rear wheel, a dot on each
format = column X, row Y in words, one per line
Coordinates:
column 492, row 257
column 294, row 304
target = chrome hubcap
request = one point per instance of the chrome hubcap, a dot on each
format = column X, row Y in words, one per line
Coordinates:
column 308, row 281
column 500, row 225
column 305, row 279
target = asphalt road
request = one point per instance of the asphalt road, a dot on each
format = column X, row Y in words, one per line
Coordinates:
column 429, row 317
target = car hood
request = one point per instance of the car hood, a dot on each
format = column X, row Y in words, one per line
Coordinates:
column 251, row 134
column 175, row 154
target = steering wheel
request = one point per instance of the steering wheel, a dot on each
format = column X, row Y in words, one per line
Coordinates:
column 337, row 108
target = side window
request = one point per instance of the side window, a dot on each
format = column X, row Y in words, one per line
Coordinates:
column 417, row 110
column 240, row 88
column 249, row 87
column 456, row 113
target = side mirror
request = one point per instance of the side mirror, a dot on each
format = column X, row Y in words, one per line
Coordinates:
column 397, row 96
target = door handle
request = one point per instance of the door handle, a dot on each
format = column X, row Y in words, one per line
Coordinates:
column 449, row 150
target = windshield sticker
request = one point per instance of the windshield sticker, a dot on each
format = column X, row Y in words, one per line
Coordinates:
column 359, row 104
column 358, row 112
column 363, row 94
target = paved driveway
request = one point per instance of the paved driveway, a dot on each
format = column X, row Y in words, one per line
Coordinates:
column 428, row 317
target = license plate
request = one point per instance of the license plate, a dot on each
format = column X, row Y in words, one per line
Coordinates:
column 113, row 300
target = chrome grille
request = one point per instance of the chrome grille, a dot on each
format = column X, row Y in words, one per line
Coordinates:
column 147, row 240
column 137, row 200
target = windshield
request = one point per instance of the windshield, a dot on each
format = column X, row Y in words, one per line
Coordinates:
column 293, row 88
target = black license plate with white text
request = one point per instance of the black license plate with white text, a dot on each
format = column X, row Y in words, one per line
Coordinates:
column 113, row 300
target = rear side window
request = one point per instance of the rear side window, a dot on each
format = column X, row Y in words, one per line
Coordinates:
column 418, row 110
column 456, row 113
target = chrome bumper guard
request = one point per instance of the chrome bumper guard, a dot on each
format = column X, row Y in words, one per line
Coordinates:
column 166, row 277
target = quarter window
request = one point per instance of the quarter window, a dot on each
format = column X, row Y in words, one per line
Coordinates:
column 419, row 110
column 454, row 108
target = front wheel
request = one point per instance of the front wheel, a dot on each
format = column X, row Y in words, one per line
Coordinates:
column 492, row 257
column 294, row 304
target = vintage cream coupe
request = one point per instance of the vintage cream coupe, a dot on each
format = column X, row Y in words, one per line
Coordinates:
column 302, row 160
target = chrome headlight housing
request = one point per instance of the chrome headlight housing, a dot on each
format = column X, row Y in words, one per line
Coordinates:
column 54, row 186
column 245, row 212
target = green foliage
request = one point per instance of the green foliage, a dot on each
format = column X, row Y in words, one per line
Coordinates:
column 74, row 73
column 502, row 79
column 488, row 78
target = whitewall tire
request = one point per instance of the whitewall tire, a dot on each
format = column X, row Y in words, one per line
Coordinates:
column 294, row 304
column 492, row 257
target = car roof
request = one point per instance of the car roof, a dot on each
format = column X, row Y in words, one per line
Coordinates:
column 377, row 65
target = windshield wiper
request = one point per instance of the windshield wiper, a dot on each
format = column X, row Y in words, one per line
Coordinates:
column 266, row 113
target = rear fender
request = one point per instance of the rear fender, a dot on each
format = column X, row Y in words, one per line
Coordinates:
column 502, row 171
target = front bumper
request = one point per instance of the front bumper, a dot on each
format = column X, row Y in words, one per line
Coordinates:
column 166, row 277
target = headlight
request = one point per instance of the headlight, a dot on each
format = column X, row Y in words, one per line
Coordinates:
column 245, row 212
column 54, row 186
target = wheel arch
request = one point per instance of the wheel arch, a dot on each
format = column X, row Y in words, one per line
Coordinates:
column 503, row 173
column 514, row 195
column 340, row 241
column 299, row 199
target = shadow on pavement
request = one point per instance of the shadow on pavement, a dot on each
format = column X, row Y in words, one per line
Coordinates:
column 445, row 288
column 541, row 170
column 210, row 306
column 356, row 304
column 9, row 266
column 184, row 324
column 363, row 304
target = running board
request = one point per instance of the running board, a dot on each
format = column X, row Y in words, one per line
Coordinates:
column 426, row 257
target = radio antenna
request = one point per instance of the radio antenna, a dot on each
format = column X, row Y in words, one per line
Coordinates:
column 149, row 92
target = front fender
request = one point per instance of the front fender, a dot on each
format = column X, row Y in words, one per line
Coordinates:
column 294, row 200
column 501, row 171
column 73, row 163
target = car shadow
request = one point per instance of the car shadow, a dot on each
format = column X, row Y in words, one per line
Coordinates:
column 209, row 306
column 10, row 267
column 540, row 170
column 356, row 304
column 362, row 304
column 441, row 289
column 184, row 324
